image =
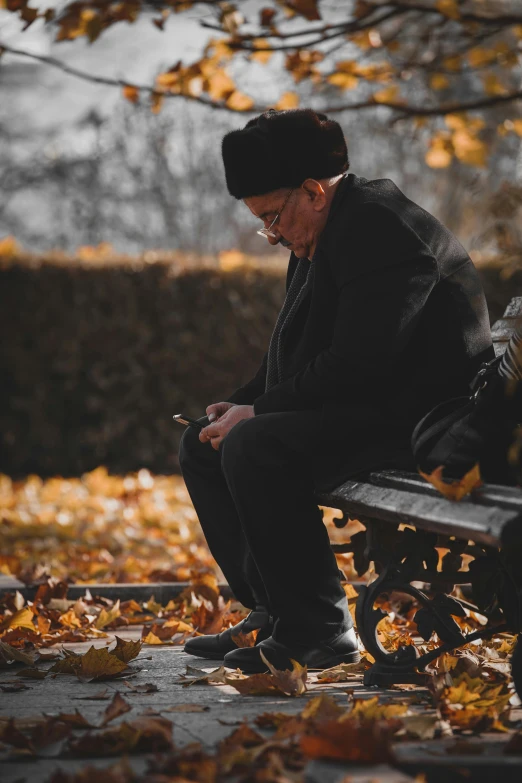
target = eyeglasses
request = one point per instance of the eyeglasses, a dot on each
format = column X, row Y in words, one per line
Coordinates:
column 265, row 232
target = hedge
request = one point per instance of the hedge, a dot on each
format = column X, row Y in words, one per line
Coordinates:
column 96, row 358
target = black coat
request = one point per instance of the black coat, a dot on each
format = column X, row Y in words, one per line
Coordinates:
column 396, row 322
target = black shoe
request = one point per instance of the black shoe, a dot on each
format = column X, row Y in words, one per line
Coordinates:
column 341, row 649
column 216, row 645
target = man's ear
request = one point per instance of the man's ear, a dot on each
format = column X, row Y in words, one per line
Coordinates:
column 315, row 192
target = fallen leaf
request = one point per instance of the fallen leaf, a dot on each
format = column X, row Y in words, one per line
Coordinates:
column 126, row 650
column 147, row 687
column 35, row 674
column 195, row 676
column 117, row 707
column 454, row 490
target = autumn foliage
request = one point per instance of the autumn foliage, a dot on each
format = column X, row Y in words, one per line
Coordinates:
column 447, row 65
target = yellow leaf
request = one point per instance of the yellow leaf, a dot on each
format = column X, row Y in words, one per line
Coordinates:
column 9, row 247
column 219, row 85
column 21, row 619
column 288, row 100
column 449, row 8
column 517, row 127
column 131, row 93
column 453, row 63
column 388, row 95
column 479, row 57
column 438, row 81
column 106, row 617
column 345, row 81
column 455, row 490
column 370, row 709
column 440, row 153
column 264, row 56
column 493, row 85
column 69, row 619
column 238, row 101
column 151, row 638
column 470, row 150
column 168, row 80
column 367, row 39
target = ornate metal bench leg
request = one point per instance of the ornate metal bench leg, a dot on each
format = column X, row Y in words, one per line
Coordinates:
column 389, row 668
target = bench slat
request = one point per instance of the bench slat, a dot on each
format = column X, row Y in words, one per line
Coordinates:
column 397, row 497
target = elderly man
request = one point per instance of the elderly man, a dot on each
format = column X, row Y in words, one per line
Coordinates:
column 384, row 316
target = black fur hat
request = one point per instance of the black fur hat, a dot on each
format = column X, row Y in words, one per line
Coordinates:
column 280, row 149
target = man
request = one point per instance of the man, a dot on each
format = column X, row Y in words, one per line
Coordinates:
column 384, row 316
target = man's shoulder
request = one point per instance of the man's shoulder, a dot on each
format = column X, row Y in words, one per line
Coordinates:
column 362, row 195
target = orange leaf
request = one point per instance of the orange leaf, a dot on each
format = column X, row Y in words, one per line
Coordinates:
column 454, row 490
column 131, row 93
column 238, row 101
column 117, row 707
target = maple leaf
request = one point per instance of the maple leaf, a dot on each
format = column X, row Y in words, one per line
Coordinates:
column 12, row 736
column 322, row 708
column 289, row 683
column 131, row 93
column 75, row 719
column 23, row 618
column 146, row 687
column 117, row 707
column 126, row 650
column 367, row 742
column 50, row 731
column 107, row 617
column 8, row 654
column 372, row 709
column 97, row 664
column 454, row 490
column 288, row 100
column 35, row 674
column 245, row 639
column 254, row 685
column 144, row 734
column 292, row 682
column 343, row 671
column 195, row 676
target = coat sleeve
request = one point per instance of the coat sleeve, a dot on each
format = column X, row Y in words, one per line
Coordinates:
column 384, row 274
column 246, row 394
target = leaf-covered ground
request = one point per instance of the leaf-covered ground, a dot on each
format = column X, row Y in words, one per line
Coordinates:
column 93, row 681
column 104, row 528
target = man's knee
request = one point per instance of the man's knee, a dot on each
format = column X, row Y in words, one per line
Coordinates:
column 245, row 442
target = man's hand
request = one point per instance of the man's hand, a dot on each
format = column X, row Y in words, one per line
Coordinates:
column 217, row 409
column 216, row 431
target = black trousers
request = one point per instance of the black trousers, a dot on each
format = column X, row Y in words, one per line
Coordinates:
column 255, row 502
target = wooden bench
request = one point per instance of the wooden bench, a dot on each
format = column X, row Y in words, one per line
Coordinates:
column 487, row 525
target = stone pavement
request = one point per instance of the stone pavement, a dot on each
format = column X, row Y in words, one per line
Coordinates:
column 225, row 709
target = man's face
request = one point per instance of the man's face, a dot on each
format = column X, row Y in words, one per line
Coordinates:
column 302, row 219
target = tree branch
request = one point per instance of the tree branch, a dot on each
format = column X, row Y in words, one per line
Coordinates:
column 121, row 83
column 404, row 109
column 410, row 110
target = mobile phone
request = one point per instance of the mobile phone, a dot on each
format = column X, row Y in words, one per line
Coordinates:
column 188, row 421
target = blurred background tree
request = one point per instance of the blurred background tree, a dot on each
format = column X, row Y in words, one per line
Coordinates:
column 427, row 91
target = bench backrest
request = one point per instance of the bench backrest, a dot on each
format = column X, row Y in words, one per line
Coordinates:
column 502, row 329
